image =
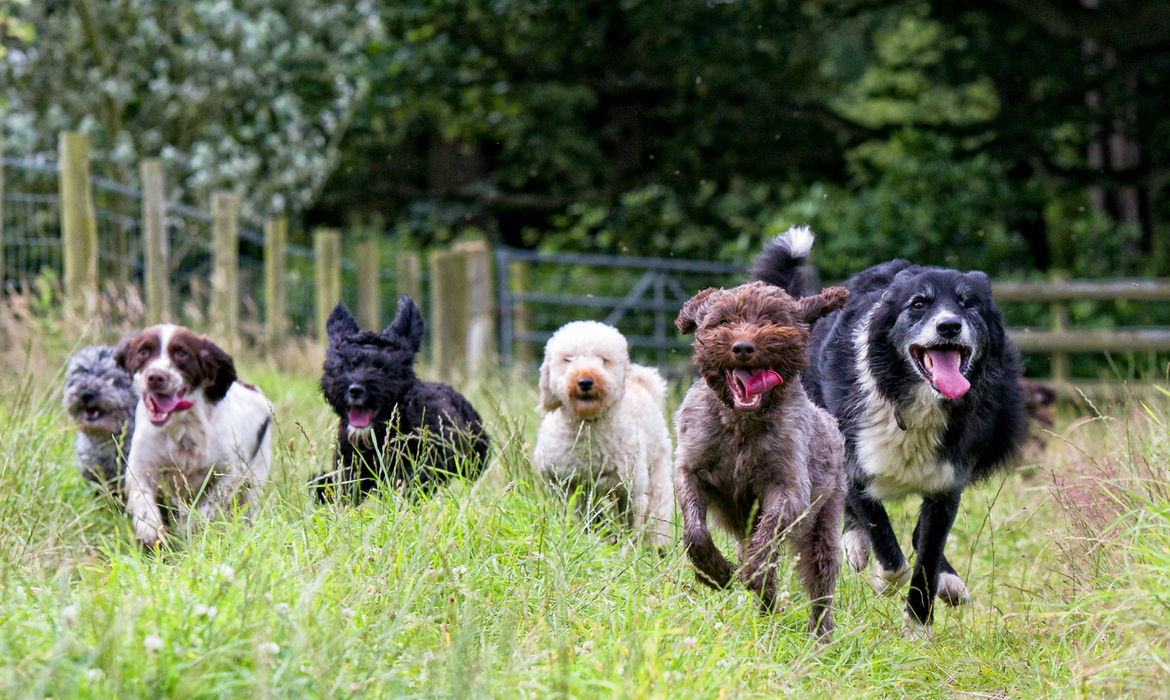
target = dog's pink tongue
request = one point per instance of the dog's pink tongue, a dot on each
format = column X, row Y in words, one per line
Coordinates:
column 168, row 402
column 947, row 377
column 360, row 417
column 759, row 382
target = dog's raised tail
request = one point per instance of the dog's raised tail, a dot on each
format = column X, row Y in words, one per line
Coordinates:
column 780, row 262
column 649, row 378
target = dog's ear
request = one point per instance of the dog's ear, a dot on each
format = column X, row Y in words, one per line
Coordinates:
column 694, row 310
column 548, row 400
column 408, row 323
column 828, row 301
column 341, row 322
column 219, row 370
column 122, row 353
column 981, row 281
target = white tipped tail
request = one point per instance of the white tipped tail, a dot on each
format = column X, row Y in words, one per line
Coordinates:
column 798, row 241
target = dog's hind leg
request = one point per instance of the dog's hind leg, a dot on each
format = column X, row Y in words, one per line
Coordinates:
column 868, row 514
column 819, row 563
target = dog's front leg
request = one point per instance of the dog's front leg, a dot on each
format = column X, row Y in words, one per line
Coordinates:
column 761, row 559
column 870, row 517
column 142, row 501
column 713, row 568
column 934, row 522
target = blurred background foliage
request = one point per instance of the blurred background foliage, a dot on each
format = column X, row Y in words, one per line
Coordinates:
column 1016, row 136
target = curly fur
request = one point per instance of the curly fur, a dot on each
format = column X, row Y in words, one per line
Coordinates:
column 604, row 428
column 415, row 433
column 100, row 398
column 771, row 476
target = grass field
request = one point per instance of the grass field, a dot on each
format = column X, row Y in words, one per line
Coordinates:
column 493, row 590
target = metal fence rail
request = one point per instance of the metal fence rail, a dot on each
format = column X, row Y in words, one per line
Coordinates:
column 661, row 289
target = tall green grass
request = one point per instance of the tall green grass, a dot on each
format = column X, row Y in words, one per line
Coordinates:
column 493, row 589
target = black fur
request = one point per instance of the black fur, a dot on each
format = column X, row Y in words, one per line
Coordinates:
column 421, row 433
column 981, row 431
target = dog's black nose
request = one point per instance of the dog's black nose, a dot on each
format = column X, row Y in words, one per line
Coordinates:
column 156, row 381
column 949, row 328
column 742, row 349
column 86, row 397
column 357, row 393
column 585, row 384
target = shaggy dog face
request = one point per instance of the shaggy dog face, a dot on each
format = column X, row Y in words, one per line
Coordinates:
column 584, row 369
column 368, row 374
column 393, row 428
column 752, row 339
column 100, row 399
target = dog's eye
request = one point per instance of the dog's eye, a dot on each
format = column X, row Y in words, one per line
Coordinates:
column 180, row 354
column 724, row 322
column 918, row 304
column 143, row 352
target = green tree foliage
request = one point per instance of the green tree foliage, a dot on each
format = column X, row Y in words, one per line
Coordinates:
column 933, row 130
column 254, row 94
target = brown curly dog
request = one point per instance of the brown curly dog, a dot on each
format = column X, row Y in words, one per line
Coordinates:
column 753, row 451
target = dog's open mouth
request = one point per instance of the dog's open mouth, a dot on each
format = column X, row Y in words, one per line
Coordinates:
column 943, row 367
column 748, row 386
column 93, row 414
column 159, row 407
column 360, row 416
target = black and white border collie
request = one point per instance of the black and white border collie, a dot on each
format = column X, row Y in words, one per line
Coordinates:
column 924, row 384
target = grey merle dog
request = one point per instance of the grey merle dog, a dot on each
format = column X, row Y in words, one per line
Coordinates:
column 100, row 399
column 924, row 384
column 394, row 428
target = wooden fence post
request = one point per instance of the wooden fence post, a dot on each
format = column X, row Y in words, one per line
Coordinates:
column 480, row 333
column 449, row 312
column 369, row 287
column 410, row 275
column 155, row 243
column 3, row 277
column 225, row 273
column 275, row 280
column 1059, row 313
column 327, row 262
column 79, row 242
column 521, row 313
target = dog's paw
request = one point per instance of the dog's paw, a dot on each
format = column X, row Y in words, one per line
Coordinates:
column 886, row 581
column 914, row 630
column 856, row 546
column 952, row 590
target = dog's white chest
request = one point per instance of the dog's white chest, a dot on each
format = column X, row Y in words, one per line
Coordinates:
column 188, row 465
column 903, row 462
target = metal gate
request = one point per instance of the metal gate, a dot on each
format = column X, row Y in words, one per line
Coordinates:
column 538, row 292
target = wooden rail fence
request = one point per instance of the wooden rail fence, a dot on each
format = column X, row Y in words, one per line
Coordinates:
column 463, row 311
column 1060, row 340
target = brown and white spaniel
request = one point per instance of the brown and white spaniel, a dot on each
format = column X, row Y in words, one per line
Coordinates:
column 202, row 437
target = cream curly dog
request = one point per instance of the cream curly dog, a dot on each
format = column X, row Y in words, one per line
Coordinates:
column 604, row 430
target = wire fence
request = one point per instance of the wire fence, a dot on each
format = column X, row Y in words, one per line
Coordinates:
column 31, row 249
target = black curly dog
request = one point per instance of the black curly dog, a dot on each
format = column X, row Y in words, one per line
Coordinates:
column 395, row 429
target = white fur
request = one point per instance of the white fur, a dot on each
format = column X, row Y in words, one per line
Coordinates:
column 798, row 240
column 914, row 630
column 856, row 546
column 622, row 450
column 952, row 590
column 223, row 438
column 899, row 462
column 886, row 582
